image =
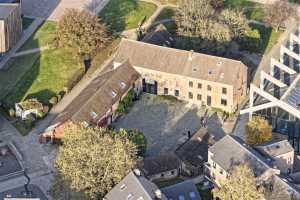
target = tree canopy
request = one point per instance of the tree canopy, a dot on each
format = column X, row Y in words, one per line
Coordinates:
column 208, row 27
column 93, row 160
column 258, row 131
column 278, row 12
column 240, row 184
column 83, row 31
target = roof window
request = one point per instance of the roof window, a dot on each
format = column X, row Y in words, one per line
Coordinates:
column 192, row 195
column 130, row 197
column 113, row 94
column 122, row 85
column 123, row 187
column 93, row 114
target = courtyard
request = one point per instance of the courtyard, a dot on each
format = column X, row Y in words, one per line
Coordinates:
column 166, row 123
column 9, row 164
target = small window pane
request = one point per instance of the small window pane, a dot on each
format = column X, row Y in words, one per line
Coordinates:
column 199, row 85
column 199, row 97
column 166, row 91
column 224, row 90
column 209, row 88
column 190, row 95
column 191, row 83
column 176, row 93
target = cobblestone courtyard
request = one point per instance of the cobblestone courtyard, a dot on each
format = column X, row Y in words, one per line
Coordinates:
column 164, row 124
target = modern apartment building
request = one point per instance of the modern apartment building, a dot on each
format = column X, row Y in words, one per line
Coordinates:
column 10, row 25
column 277, row 96
column 197, row 78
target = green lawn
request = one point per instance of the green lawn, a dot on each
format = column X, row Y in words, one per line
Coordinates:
column 43, row 36
column 38, row 75
column 26, row 22
column 165, row 183
column 263, row 42
column 47, row 76
column 122, row 15
column 252, row 10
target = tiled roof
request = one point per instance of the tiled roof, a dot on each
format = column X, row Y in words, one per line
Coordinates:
column 275, row 148
column 185, row 190
column 157, row 164
column 99, row 96
column 180, row 62
column 133, row 187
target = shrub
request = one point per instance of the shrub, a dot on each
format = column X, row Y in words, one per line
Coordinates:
column 137, row 137
column 53, row 100
column 12, row 112
column 45, row 109
column 59, row 97
column 126, row 102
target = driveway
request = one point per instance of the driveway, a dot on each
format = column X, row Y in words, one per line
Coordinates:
column 54, row 9
column 165, row 125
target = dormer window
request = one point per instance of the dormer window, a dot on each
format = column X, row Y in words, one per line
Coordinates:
column 85, row 124
column 122, row 85
column 130, row 197
column 113, row 94
column 93, row 115
column 123, row 187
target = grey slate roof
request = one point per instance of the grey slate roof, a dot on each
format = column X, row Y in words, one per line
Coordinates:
column 194, row 151
column 157, row 164
column 7, row 9
column 231, row 151
column 180, row 62
column 133, row 187
column 275, row 148
column 185, row 190
column 160, row 36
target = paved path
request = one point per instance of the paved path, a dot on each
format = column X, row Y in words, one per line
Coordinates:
column 54, row 9
column 26, row 35
column 26, row 52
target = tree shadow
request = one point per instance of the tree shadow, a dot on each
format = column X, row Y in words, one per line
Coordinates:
column 39, row 8
column 115, row 12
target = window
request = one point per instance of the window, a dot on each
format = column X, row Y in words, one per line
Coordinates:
column 224, row 102
column 191, row 83
column 122, row 85
column 113, row 94
column 172, row 172
column 166, row 91
column 199, row 97
column 224, row 90
column 221, row 171
column 123, row 187
column 130, row 197
column 214, row 165
column 190, row 95
column 208, row 88
column 162, row 175
column 93, row 115
column 199, row 85
column 208, row 100
column 176, row 93
column 85, row 124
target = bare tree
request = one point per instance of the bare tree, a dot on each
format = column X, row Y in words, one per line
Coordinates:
column 277, row 13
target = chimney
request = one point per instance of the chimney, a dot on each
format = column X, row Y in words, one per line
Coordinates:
column 191, row 55
column 137, row 172
column 158, row 194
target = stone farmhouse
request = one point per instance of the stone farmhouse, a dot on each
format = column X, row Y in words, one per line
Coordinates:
column 272, row 164
column 197, row 78
column 97, row 103
column 10, row 25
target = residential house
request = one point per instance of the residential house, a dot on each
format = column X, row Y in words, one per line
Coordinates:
column 281, row 152
column 194, row 77
column 10, row 25
column 165, row 166
column 98, row 102
column 193, row 153
column 135, row 187
column 231, row 151
column 160, row 36
column 185, row 190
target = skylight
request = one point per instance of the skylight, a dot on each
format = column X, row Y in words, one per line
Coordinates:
column 113, row 94
column 122, row 85
column 93, row 114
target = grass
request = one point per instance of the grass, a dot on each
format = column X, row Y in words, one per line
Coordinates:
column 260, row 39
column 174, row 2
column 252, row 10
column 161, row 183
column 42, row 37
column 122, row 15
column 26, row 22
column 47, row 76
column 166, row 13
column 38, row 75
